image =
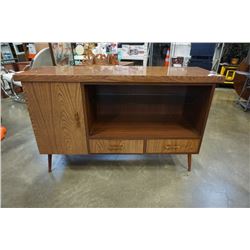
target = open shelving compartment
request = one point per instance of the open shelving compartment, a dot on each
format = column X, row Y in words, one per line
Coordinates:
column 146, row 111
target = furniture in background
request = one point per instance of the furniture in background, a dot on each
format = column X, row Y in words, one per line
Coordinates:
column 9, row 86
column 245, row 104
column 42, row 58
column 202, row 55
column 82, row 55
column 7, row 53
column 15, row 66
column 118, row 110
column 139, row 53
column 157, row 53
column 241, row 82
column 61, row 54
column 228, row 70
column 20, row 51
column 181, row 52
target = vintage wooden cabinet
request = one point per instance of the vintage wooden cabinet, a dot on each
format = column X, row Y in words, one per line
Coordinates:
column 118, row 110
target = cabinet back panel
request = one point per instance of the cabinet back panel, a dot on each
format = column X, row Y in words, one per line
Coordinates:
column 132, row 103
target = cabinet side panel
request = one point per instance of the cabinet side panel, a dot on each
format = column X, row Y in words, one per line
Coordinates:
column 56, row 112
column 197, row 112
column 196, row 108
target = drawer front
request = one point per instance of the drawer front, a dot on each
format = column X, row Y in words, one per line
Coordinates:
column 116, row 146
column 173, row 146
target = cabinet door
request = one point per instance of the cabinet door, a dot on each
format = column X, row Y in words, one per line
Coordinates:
column 56, row 112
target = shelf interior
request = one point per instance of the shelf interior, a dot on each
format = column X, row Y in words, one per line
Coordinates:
column 107, row 129
column 118, row 111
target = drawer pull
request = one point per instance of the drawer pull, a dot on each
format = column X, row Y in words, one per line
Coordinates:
column 107, row 146
column 115, row 147
column 172, row 147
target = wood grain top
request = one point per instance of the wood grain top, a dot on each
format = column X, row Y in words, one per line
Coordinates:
column 128, row 74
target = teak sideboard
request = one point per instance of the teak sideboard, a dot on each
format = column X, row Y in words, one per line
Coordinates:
column 118, row 109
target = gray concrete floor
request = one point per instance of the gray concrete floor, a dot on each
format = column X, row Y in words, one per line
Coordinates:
column 220, row 174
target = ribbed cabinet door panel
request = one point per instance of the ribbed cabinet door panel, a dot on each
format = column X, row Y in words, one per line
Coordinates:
column 56, row 112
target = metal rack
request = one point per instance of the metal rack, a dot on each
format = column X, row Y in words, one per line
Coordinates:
column 143, row 59
column 245, row 104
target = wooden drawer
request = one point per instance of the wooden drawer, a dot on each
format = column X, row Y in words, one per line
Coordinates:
column 173, row 146
column 116, row 146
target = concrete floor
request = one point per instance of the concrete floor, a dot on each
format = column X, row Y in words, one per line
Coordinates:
column 220, row 174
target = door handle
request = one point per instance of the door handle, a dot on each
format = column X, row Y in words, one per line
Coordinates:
column 77, row 118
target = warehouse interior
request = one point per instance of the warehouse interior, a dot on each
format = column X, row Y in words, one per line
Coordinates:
column 220, row 172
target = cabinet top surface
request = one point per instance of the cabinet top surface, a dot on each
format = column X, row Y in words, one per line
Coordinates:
column 130, row 74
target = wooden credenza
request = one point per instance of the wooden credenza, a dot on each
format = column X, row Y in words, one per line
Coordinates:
column 118, row 110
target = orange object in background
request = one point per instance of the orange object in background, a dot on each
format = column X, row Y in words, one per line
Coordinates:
column 31, row 51
column 31, row 56
column 166, row 63
column 3, row 132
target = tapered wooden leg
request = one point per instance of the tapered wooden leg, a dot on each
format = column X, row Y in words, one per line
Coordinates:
column 49, row 163
column 189, row 161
